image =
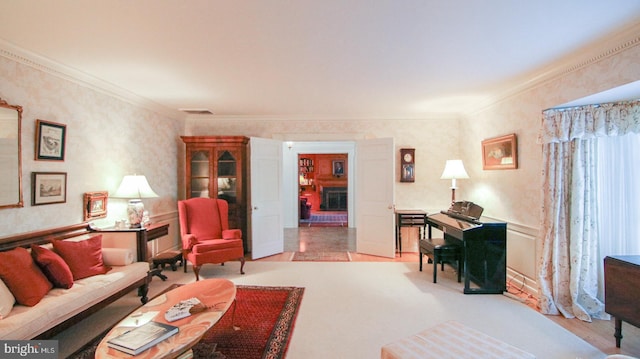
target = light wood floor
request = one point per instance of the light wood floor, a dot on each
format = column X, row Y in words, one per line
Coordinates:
column 598, row 333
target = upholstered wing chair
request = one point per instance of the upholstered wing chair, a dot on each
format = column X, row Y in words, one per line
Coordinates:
column 205, row 233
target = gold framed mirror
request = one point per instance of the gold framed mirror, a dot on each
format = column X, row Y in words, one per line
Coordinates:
column 10, row 155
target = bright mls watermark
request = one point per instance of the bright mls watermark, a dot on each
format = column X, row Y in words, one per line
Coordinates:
column 19, row 349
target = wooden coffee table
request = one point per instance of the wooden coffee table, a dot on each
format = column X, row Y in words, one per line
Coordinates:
column 216, row 293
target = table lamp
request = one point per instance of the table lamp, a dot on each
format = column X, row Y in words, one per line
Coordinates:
column 454, row 169
column 135, row 188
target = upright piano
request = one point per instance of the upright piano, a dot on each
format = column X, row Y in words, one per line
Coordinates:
column 484, row 245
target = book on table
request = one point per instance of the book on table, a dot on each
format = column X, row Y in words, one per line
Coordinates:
column 141, row 338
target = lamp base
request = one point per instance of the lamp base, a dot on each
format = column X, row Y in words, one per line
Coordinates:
column 135, row 211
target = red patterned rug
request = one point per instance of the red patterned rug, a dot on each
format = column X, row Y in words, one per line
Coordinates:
column 262, row 326
column 265, row 317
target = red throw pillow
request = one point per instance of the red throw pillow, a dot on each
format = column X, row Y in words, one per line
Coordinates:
column 23, row 277
column 53, row 266
column 83, row 257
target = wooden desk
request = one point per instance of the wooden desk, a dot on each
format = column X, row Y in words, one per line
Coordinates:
column 219, row 293
column 409, row 218
column 622, row 291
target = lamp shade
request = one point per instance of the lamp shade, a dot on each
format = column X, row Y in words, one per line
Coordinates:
column 134, row 187
column 454, row 169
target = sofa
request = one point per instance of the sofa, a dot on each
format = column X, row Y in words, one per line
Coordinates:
column 52, row 279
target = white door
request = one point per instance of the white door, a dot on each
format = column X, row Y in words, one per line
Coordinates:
column 265, row 197
column 375, row 232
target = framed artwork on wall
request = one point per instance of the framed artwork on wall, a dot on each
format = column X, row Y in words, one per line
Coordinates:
column 338, row 168
column 95, row 205
column 500, row 153
column 407, row 165
column 50, row 141
column 48, row 188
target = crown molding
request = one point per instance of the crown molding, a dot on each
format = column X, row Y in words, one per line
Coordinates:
column 38, row 62
column 328, row 118
column 606, row 46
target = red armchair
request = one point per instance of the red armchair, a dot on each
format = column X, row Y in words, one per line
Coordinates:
column 205, row 233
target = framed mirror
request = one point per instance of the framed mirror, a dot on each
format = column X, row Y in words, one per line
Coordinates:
column 10, row 156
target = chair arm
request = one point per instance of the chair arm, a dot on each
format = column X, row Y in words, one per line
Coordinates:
column 188, row 241
column 231, row 234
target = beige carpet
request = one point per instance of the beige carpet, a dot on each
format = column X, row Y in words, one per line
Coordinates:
column 351, row 309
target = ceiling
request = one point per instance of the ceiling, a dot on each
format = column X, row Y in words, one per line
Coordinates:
column 309, row 58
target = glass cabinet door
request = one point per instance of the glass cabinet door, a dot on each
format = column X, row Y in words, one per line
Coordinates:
column 199, row 174
column 227, row 176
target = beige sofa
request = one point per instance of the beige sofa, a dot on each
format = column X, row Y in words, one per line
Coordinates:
column 61, row 308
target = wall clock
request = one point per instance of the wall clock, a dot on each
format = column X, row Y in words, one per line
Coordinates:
column 407, row 165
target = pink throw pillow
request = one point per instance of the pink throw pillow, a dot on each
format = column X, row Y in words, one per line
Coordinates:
column 84, row 258
column 53, row 266
column 23, row 277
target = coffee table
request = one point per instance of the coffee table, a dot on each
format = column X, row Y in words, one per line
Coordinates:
column 216, row 293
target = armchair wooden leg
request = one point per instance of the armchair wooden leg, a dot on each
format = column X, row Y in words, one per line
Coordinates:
column 241, row 265
column 196, row 270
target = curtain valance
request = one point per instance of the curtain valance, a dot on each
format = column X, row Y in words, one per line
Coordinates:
column 609, row 119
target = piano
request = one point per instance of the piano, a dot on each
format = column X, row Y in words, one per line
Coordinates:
column 483, row 242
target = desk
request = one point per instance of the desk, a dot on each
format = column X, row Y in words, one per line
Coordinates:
column 409, row 218
column 218, row 293
column 622, row 290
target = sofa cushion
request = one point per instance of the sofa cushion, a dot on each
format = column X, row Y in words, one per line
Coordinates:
column 7, row 300
column 53, row 266
column 117, row 256
column 83, row 257
column 62, row 304
column 23, row 277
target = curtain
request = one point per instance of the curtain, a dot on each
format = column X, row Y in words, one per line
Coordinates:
column 619, row 194
column 568, row 257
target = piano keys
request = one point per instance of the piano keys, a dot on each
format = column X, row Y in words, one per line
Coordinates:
column 484, row 247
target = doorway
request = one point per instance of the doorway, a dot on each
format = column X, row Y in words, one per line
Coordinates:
column 323, row 189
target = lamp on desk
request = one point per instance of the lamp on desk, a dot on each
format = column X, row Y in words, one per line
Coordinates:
column 135, row 188
column 453, row 170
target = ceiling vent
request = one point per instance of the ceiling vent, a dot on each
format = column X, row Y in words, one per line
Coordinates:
column 196, row 111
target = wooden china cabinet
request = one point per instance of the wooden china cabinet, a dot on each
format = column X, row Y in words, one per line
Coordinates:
column 216, row 167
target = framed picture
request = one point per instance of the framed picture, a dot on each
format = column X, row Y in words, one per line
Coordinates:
column 338, row 168
column 50, row 141
column 95, row 205
column 500, row 153
column 48, row 188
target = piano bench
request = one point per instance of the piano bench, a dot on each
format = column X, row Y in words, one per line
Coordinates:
column 442, row 253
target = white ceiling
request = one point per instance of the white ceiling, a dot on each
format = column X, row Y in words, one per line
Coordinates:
column 310, row 58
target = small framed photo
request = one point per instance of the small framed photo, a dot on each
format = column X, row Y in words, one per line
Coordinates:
column 48, row 188
column 50, row 141
column 338, row 168
column 500, row 153
column 95, row 205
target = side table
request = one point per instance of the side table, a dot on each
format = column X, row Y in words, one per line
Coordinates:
column 409, row 218
column 143, row 235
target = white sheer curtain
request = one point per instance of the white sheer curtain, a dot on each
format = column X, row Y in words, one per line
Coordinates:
column 569, row 254
column 619, row 194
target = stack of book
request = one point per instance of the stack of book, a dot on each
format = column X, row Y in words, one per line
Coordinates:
column 141, row 338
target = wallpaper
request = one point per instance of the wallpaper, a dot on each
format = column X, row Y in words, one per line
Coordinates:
column 106, row 138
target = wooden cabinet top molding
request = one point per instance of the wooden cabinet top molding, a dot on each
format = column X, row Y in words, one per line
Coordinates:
column 215, row 139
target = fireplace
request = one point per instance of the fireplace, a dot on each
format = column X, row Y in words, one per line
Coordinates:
column 334, row 199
